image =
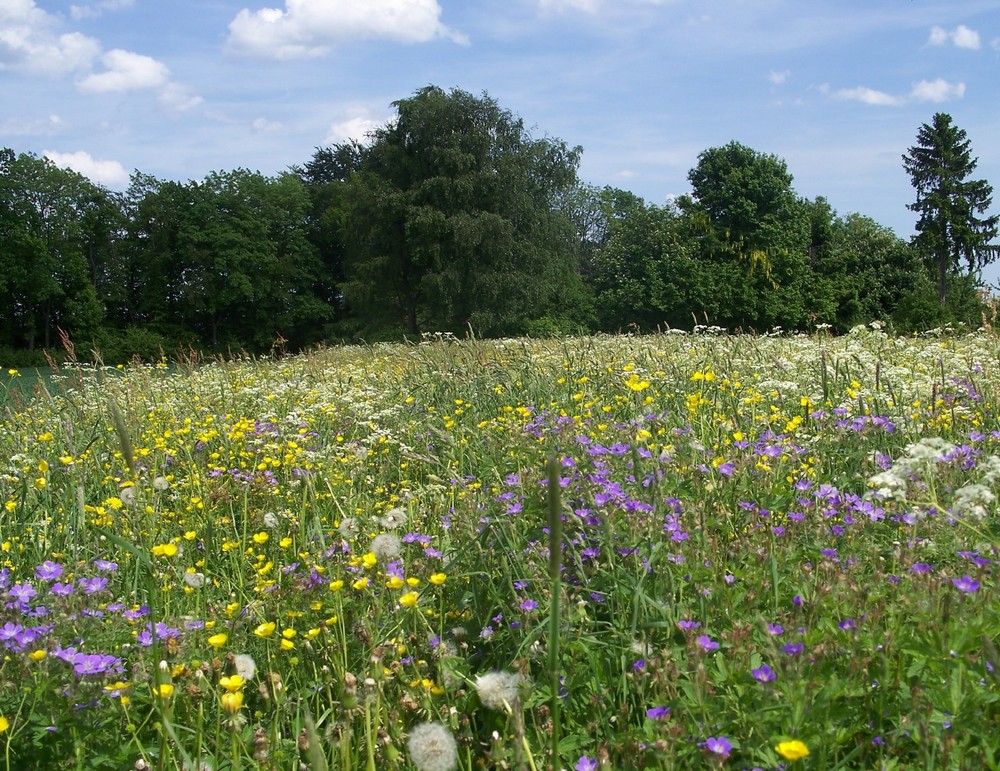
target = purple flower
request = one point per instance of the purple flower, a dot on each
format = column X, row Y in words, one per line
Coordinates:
column 48, row 571
column 687, row 625
column 764, row 674
column 706, row 643
column 639, row 665
column 61, row 590
column 965, row 584
column 22, row 592
column 585, row 764
column 658, row 713
column 93, row 585
column 105, row 566
column 775, row 629
column 920, row 567
column 793, row 649
column 719, row 745
column 528, row 605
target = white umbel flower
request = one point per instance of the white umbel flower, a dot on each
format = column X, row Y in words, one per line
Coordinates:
column 432, row 747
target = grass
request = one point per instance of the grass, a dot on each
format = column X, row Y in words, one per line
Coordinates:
column 674, row 551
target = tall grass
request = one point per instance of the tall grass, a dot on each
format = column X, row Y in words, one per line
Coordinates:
column 674, row 551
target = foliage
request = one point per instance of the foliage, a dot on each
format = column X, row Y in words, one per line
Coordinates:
column 950, row 231
column 454, row 221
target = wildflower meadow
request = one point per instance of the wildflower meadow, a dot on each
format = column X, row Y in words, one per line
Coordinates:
column 683, row 550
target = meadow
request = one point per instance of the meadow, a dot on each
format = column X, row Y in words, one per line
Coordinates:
column 674, row 551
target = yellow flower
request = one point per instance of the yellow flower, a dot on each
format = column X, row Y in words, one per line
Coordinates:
column 336, row 586
column 164, row 550
column 232, row 683
column 218, row 640
column 409, row 599
column 232, row 701
column 265, row 630
column 40, row 483
column 792, row 750
column 260, row 537
column 38, row 655
column 437, row 579
column 4, row 724
column 285, row 542
column 287, row 645
column 361, row 583
column 369, row 560
column 395, row 583
column 163, row 690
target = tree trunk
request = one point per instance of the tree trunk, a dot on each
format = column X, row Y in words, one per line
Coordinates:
column 942, row 279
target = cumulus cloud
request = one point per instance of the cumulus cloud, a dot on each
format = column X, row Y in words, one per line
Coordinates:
column 177, row 98
column 126, row 71
column 107, row 173
column 939, row 90
column 96, row 9
column 778, row 77
column 960, row 37
column 309, row 28
column 30, row 41
column 357, row 126
column 868, row 96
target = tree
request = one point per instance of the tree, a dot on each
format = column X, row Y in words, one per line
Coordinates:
column 949, row 228
column 455, row 220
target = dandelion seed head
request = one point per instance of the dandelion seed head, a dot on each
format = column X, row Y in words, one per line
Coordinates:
column 432, row 747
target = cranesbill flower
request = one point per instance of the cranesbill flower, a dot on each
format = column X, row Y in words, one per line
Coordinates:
column 585, row 764
column 718, row 745
column 965, row 584
column 48, row 571
column 764, row 674
column 658, row 713
column 706, row 643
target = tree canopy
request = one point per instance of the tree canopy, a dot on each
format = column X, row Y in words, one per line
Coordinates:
column 950, row 229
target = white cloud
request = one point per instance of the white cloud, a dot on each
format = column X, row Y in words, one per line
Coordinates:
column 939, row 90
column 126, row 71
column 868, row 96
column 266, row 126
column 778, row 77
column 589, row 6
column 29, row 41
column 961, row 37
column 357, row 127
column 309, row 28
column 96, row 9
column 108, row 173
column 176, row 98
column 22, row 126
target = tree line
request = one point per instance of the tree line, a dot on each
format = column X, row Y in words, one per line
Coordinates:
column 452, row 217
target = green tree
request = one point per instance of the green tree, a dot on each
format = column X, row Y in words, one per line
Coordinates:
column 950, row 230
column 455, row 221
column 48, row 256
column 755, row 236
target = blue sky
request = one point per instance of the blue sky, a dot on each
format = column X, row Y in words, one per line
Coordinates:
column 837, row 88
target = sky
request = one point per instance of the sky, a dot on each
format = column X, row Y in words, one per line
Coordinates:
column 836, row 88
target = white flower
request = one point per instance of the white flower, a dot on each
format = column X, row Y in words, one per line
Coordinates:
column 160, row 483
column 432, row 747
column 497, row 689
column 971, row 501
column 887, row 484
column 393, row 519
column 270, row 520
column 348, row 527
column 245, row 666
column 194, row 580
column 386, row 547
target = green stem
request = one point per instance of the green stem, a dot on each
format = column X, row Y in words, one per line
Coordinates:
column 555, row 580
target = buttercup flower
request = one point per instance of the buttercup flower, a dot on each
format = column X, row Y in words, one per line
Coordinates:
column 792, row 750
